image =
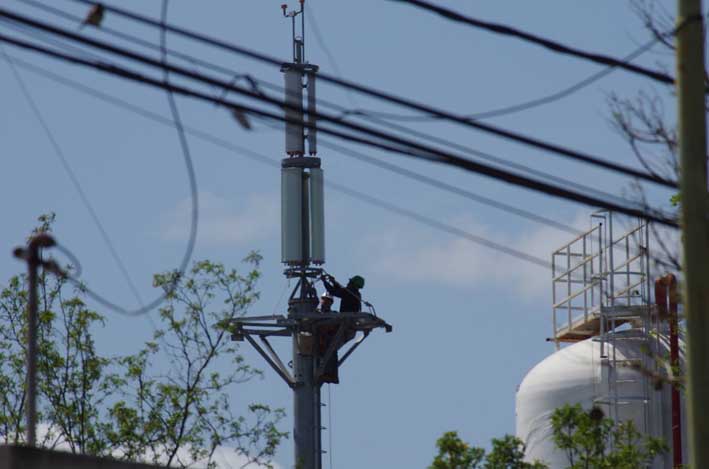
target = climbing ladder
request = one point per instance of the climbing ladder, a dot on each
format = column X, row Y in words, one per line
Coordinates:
column 601, row 290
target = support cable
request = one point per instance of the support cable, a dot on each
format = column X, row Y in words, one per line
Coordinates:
column 540, row 41
column 400, row 146
column 213, row 139
column 498, row 131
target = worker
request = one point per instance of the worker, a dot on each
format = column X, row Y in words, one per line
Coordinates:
column 350, row 296
column 326, row 301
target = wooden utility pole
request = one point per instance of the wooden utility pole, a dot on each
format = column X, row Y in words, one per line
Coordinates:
column 31, row 255
column 693, row 188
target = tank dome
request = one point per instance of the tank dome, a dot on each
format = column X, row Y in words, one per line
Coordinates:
column 577, row 375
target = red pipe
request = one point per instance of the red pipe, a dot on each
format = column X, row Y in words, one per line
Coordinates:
column 674, row 363
column 662, row 295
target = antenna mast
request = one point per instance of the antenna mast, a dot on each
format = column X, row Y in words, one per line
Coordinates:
column 316, row 335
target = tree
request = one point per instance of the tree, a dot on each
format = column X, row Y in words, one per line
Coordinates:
column 507, row 453
column 132, row 406
column 589, row 440
column 644, row 123
column 592, row 441
column 454, row 453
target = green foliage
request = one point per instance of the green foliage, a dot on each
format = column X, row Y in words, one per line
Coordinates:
column 589, row 440
column 454, row 453
column 676, row 199
column 507, row 453
column 592, row 441
column 130, row 406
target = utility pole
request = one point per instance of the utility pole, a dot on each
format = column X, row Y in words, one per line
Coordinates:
column 31, row 254
column 314, row 345
column 691, row 90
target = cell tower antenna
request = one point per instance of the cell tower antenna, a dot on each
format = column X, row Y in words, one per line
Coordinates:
column 298, row 41
column 316, row 333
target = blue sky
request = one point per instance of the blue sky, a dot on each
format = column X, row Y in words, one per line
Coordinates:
column 468, row 322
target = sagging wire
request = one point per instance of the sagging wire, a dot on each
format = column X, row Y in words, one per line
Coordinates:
column 73, row 178
column 421, row 107
column 256, row 84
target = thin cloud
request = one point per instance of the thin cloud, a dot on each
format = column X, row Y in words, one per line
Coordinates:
column 223, row 221
column 420, row 256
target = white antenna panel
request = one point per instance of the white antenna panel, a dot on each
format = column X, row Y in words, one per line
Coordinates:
column 291, row 215
column 312, row 119
column 294, row 113
column 317, row 217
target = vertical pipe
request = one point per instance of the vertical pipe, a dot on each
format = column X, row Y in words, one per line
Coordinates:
column 611, row 262
column 306, row 394
column 628, row 294
column 568, row 285
column 674, row 363
column 585, row 292
column 691, row 114
column 602, row 324
column 553, row 299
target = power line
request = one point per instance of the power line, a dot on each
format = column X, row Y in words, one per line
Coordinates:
column 72, row 177
column 183, row 265
column 477, row 153
column 540, row 41
column 492, row 158
column 323, row 45
column 213, row 139
column 450, row 188
column 344, row 111
column 441, row 226
column 523, row 106
column 498, row 131
column 382, row 204
column 401, row 146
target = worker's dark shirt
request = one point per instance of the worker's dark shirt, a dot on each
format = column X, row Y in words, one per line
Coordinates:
column 350, row 297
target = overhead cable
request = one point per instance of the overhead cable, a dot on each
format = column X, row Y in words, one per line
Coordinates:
column 369, row 117
column 239, row 150
column 180, row 271
column 450, row 188
column 384, row 205
column 400, row 146
column 488, row 128
column 312, row 21
column 519, row 107
column 73, row 178
column 547, row 43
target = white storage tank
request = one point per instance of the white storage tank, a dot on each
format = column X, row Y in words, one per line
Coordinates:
column 576, row 375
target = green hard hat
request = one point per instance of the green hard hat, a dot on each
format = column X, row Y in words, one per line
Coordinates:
column 357, row 281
